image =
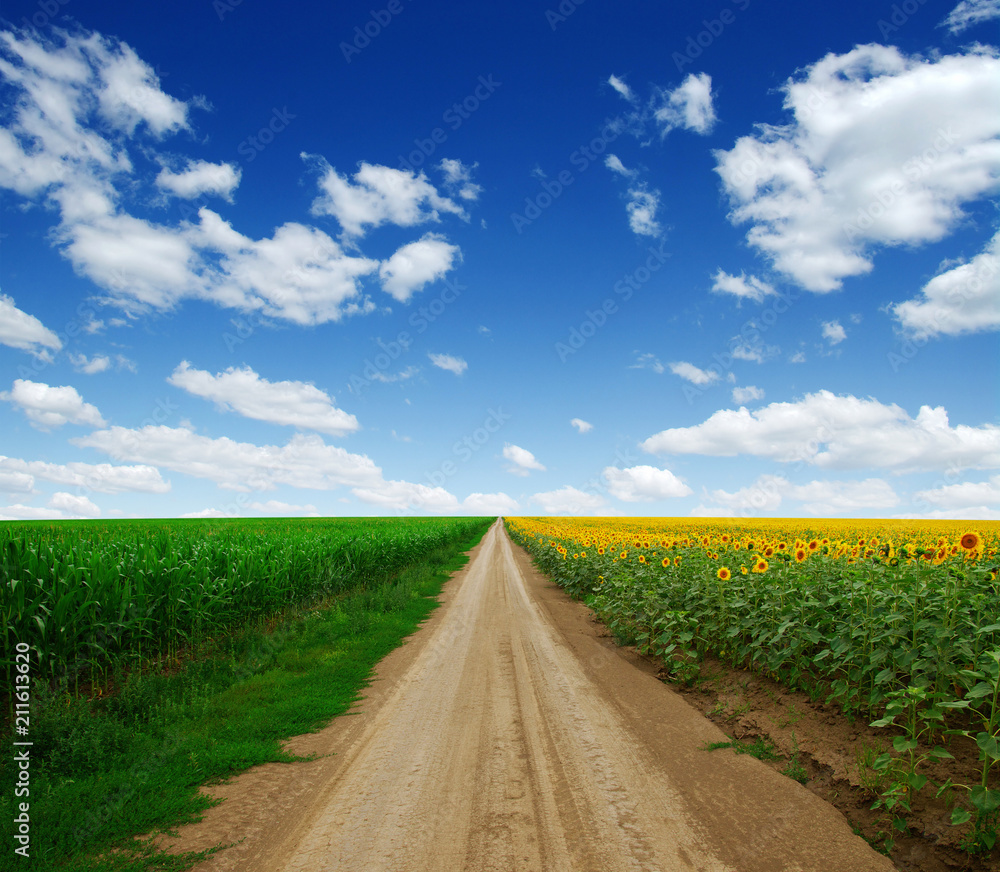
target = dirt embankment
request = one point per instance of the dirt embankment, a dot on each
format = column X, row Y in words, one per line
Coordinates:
column 509, row 734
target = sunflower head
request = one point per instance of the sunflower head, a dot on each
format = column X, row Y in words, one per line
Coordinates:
column 800, row 555
column 970, row 541
column 723, row 574
column 760, row 565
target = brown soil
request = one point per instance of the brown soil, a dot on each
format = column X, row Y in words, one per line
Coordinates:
column 510, row 733
column 832, row 751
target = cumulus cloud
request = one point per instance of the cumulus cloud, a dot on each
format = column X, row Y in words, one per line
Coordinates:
column 449, row 362
column 49, row 407
column 743, row 287
column 882, row 149
column 581, row 425
column 90, row 366
column 305, row 461
column 522, row 461
column 84, row 101
column 568, row 501
column 833, row 332
column 378, row 195
column 100, row 477
column 747, row 394
column 288, row 403
column 689, row 105
column 962, row 496
column 416, row 264
column 74, row 506
column 641, row 210
column 838, row 432
column 643, row 484
column 971, row 12
column 276, row 508
column 490, row 504
column 200, row 177
column 690, row 372
column 458, row 178
column 962, row 299
column 25, row 332
column 822, row 498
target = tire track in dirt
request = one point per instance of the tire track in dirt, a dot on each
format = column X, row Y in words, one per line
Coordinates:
column 507, row 735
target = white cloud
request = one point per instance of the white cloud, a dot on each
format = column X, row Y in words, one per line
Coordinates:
column 971, row 12
column 300, row 274
column 833, row 332
column 29, row 513
column 99, row 477
column 201, row 177
column 305, row 461
column 690, row 372
column 962, row 496
column 402, row 495
column 78, row 506
column 643, row 483
column 614, row 163
column 209, row 513
column 521, row 460
column 48, row 407
column 742, row 286
column 747, row 394
column 276, row 508
column 379, row 195
column 648, row 361
column 458, row 178
column 882, row 150
column 288, row 403
column 15, row 482
column 25, row 332
column 449, row 362
column 689, row 105
column 98, row 363
column 581, row 425
column 963, row 299
column 641, row 209
column 620, row 86
column 416, row 264
column 822, row 498
column 52, row 150
column 490, row 504
column 569, row 501
column 838, row 432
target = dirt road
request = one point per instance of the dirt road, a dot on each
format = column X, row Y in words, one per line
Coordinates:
column 509, row 734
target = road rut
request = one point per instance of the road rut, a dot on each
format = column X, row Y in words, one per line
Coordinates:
column 508, row 734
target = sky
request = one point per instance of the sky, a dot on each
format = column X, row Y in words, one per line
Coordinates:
column 400, row 257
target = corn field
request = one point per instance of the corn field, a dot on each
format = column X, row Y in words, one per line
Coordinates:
column 87, row 596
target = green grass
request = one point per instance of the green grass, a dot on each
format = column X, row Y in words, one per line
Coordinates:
column 104, row 771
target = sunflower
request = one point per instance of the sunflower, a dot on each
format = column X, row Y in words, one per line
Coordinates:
column 800, row 555
column 624, row 555
column 600, row 550
column 813, row 544
column 677, row 561
column 760, row 565
column 665, row 562
column 970, row 541
column 642, row 558
column 723, row 574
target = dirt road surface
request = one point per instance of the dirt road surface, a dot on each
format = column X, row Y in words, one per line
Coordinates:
column 509, row 734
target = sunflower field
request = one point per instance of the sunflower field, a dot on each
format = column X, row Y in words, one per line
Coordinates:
column 897, row 622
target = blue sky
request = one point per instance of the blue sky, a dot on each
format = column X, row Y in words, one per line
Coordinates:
column 731, row 258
